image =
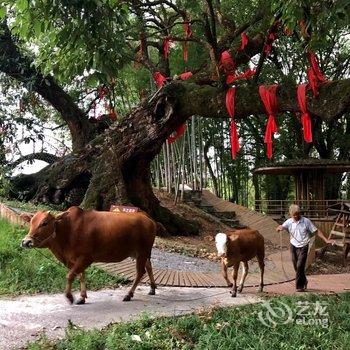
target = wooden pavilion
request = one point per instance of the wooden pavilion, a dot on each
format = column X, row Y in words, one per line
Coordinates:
column 309, row 178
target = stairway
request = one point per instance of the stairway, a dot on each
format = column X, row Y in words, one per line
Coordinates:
column 194, row 197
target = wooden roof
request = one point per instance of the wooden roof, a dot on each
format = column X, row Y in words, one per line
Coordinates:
column 294, row 166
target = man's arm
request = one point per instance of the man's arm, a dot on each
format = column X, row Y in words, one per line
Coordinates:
column 323, row 237
column 280, row 228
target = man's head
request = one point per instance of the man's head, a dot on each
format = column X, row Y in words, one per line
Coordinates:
column 294, row 212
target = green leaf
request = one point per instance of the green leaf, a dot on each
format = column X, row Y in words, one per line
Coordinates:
column 3, row 11
column 22, row 5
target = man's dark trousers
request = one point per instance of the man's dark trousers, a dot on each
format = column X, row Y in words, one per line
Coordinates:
column 299, row 256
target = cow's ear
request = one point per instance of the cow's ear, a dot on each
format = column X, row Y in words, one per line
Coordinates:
column 26, row 217
column 61, row 216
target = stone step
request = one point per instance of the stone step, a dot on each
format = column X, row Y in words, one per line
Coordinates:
column 230, row 222
column 208, row 208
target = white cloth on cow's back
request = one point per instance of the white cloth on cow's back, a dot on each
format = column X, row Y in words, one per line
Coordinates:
column 300, row 231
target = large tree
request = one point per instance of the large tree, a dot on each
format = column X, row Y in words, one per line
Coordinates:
column 99, row 38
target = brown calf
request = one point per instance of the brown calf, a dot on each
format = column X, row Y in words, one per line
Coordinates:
column 80, row 237
column 240, row 246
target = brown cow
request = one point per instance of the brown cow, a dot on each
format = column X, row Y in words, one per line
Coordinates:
column 240, row 246
column 80, row 237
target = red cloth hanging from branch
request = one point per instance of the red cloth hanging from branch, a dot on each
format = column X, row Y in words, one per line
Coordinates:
column 178, row 133
column 166, row 46
column 271, row 37
column 246, row 75
column 244, row 41
column 227, row 64
column 159, row 79
column 269, row 98
column 230, row 106
column 314, row 74
column 305, row 115
column 185, row 76
column 188, row 34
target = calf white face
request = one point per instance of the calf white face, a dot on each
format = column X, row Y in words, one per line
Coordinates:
column 221, row 244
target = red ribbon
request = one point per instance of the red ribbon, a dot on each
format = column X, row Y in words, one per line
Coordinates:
column 246, row 75
column 314, row 74
column 305, row 116
column 185, row 76
column 269, row 41
column 230, row 106
column 271, row 37
column 178, row 133
column 166, row 46
column 188, row 34
column 159, row 78
column 269, row 98
column 244, row 41
column 227, row 64
column 187, row 29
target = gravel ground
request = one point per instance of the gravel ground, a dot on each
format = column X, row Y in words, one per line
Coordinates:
column 175, row 261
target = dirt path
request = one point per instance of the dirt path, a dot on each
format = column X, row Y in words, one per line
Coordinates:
column 23, row 319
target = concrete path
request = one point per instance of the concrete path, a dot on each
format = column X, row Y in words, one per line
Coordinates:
column 23, row 319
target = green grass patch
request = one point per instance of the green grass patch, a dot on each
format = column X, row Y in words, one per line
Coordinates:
column 221, row 329
column 29, row 206
column 33, row 271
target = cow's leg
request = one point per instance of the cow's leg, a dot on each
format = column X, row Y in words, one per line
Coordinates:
column 140, row 270
column 244, row 275
column 224, row 273
column 262, row 268
column 235, row 275
column 78, row 267
column 151, row 277
column 83, row 294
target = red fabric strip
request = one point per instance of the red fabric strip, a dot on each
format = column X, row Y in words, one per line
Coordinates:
column 230, row 101
column 186, row 75
column 314, row 74
column 244, row 41
column 305, row 115
column 227, row 64
column 230, row 106
column 246, row 75
column 166, row 46
column 178, row 133
column 234, row 139
column 185, row 50
column 269, row 97
column 187, row 29
column 159, row 79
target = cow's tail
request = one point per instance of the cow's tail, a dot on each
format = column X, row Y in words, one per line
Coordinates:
column 161, row 230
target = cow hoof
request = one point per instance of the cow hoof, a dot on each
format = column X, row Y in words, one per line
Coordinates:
column 70, row 298
column 80, row 301
column 240, row 288
column 152, row 292
column 127, row 297
column 233, row 294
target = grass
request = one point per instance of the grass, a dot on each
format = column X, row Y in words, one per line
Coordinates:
column 220, row 329
column 29, row 206
column 25, row 271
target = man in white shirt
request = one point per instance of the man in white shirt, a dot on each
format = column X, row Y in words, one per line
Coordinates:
column 300, row 230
